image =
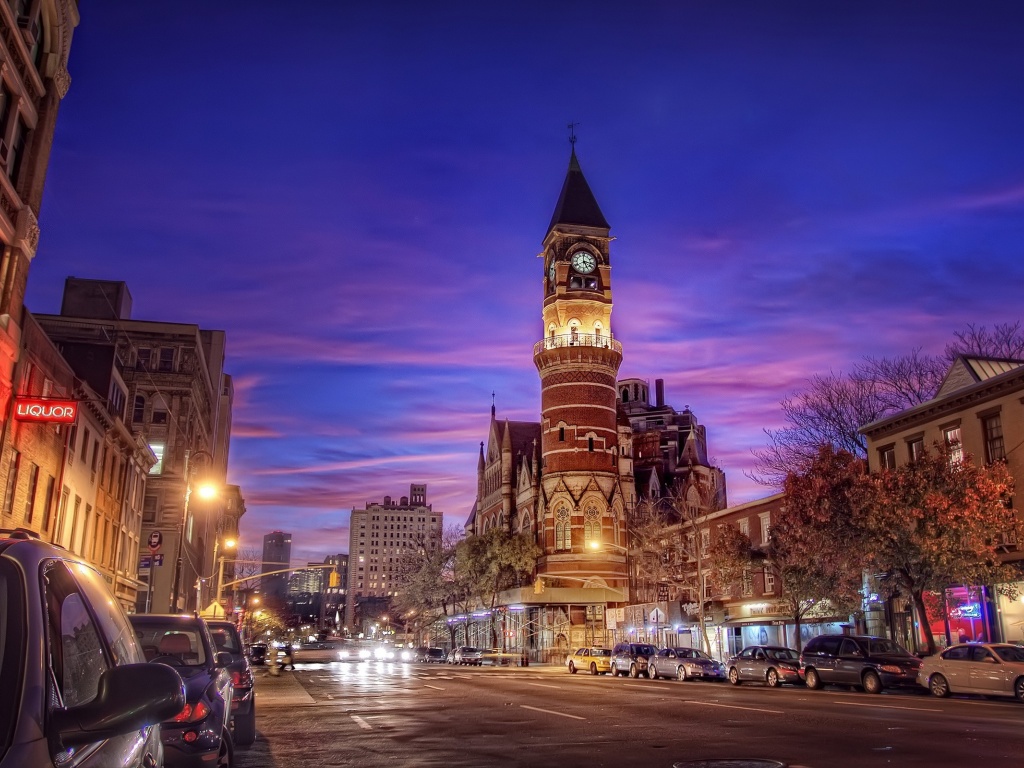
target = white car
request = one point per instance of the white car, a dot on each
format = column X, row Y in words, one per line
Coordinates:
column 990, row 669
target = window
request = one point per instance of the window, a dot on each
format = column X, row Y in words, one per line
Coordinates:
column 12, row 483
column 166, row 359
column 915, row 448
column 561, row 434
column 17, row 153
column 158, row 451
column 149, row 508
column 745, row 527
column 954, row 448
column 139, row 410
column 143, row 357
column 76, row 655
column 995, row 449
column 563, row 530
column 85, row 445
column 769, row 581
column 590, row 444
column 48, row 503
column 705, row 542
column 766, row 526
column 33, row 483
column 887, row 457
column 592, row 528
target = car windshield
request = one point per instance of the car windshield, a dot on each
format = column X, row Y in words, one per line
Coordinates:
column 782, row 654
column 176, row 643
column 881, row 645
column 1009, row 652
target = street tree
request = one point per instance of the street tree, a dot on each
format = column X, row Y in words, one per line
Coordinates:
column 937, row 521
column 430, row 591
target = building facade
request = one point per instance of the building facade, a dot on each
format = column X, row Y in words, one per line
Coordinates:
column 35, row 41
column 978, row 411
column 277, row 555
column 176, row 391
column 380, row 536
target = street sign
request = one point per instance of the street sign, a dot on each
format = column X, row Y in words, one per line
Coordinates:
column 155, row 540
column 149, row 561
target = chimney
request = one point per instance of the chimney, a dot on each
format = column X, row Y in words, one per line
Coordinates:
column 659, row 392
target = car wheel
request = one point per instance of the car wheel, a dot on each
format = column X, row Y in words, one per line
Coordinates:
column 734, row 676
column 872, row 682
column 772, row 678
column 1018, row 689
column 652, row 672
column 572, row 668
column 226, row 753
column 634, row 672
column 593, row 669
column 613, row 671
column 813, row 679
column 939, row 686
column 245, row 727
column 681, row 673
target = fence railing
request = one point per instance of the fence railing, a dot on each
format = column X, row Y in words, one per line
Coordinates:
column 577, row 340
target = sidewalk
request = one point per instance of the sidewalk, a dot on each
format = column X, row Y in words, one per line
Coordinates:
column 281, row 690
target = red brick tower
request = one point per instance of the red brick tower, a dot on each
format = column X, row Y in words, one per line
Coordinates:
column 586, row 479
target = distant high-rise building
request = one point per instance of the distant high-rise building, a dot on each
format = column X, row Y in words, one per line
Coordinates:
column 277, row 554
column 379, row 537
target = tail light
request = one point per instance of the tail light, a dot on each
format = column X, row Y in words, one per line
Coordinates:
column 192, row 713
column 241, row 679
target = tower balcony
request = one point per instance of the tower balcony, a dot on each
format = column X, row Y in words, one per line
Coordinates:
column 569, row 340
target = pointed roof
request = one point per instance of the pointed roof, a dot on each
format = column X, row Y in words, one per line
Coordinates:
column 966, row 371
column 576, row 203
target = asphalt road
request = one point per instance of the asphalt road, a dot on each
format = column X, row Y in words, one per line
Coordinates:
column 373, row 714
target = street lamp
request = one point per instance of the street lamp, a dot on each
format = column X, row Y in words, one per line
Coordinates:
column 598, row 545
column 205, row 491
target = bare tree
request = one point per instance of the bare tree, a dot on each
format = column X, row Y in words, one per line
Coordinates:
column 1004, row 340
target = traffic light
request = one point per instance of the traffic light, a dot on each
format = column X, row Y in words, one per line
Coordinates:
column 538, row 586
column 335, row 579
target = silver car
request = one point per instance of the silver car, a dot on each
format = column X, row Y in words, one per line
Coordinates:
column 684, row 664
column 991, row 669
column 770, row 664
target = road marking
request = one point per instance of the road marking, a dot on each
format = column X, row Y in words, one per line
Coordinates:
column 362, row 723
column 552, row 712
column 433, row 686
column 329, row 696
column 542, row 685
column 633, row 685
column 889, row 706
column 733, row 706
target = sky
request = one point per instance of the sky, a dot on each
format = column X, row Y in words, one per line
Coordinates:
column 356, row 192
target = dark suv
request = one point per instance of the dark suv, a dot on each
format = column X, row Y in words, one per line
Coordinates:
column 75, row 690
column 198, row 735
column 631, row 659
column 873, row 663
column 243, row 702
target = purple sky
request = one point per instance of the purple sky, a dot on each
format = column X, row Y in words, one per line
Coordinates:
column 356, row 192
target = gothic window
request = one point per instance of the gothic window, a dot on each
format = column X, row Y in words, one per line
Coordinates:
column 625, row 394
column 591, row 528
column 563, row 530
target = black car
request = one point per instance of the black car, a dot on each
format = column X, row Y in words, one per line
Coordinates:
column 199, row 735
column 75, row 688
column 243, row 700
column 257, row 653
column 434, row 656
column 631, row 659
column 872, row 663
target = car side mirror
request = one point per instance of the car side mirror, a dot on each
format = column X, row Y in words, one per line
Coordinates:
column 222, row 658
column 128, row 698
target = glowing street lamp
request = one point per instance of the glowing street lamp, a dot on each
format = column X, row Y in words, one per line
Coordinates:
column 228, row 544
column 204, row 490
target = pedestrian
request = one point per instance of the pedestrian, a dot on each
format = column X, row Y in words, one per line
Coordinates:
column 287, row 657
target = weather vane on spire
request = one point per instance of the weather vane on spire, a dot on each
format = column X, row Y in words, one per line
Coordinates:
column 572, row 133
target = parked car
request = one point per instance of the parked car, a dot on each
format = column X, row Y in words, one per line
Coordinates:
column 468, row 655
column 872, row 663
column 434, row 656
column 631, row 659
column 257, row 653
column 597, row 661
column 684, row 664
column 450, row 657
column 243, row 698
column 769, row 664
column 991, row 669
column 76, row 688
column 200, row 734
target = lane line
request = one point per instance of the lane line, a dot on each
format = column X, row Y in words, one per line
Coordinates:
column 542, row 685
column 362, row 723
column 733, row 706
column 888, row 706
column 433, row 686
column 551, row 712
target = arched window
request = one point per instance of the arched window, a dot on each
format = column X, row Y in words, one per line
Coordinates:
column 563, row 530
column 625, row 394
column 591, row 528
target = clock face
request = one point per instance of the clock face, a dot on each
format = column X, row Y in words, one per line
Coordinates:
column 583, row 262
column 551, row 271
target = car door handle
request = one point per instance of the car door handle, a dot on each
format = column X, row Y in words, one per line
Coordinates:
column 149, row 761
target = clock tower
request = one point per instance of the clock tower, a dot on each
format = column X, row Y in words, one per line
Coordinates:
column 586, row 470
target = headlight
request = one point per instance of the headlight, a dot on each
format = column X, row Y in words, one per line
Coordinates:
column 406, row 656
column 342, row 654
column 364, row 654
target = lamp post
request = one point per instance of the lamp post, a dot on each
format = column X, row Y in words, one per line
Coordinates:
column 205, row 491
column 228, row 544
